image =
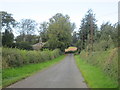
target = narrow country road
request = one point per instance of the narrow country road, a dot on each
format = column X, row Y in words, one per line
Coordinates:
column 62, row 75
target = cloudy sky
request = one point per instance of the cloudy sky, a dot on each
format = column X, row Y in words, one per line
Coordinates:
column 42, row 10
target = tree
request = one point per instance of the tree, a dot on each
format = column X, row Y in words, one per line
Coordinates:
column 87, row 29
column 30, row 39
column 106, row 30
column 59, row 32
column 109, row 33
column 43, row 32
column 8, row 23
column 74, row 38
column 115, row 36
column 26, row 27
column 7, row 38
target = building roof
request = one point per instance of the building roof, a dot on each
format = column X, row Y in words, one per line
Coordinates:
column 38, row 46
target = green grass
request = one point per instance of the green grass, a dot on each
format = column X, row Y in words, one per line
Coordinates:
column 107, row 61
column 94, row 77
column 12, row 75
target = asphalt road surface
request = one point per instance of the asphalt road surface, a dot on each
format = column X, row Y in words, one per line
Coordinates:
column 62, row 75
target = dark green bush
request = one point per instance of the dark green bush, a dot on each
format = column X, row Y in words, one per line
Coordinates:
column 22, row 45
column 16, row 57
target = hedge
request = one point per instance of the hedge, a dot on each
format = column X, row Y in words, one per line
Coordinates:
column 106, row 60
column 16, row 57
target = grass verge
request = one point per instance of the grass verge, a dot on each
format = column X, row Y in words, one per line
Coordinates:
column 12, row 75
column 94, row 77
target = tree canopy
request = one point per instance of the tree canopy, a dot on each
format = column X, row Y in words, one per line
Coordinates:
column 59, row 31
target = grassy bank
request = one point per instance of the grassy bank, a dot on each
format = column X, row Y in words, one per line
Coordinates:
column 11, row 75
column 107, row 61
column 94, row 76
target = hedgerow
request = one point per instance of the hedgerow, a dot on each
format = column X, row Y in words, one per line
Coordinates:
column 16, row 57
column 106, row 60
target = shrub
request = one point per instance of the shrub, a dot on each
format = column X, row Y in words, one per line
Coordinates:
column 12, row 57
column 23, row 54
column 46, row 55
column 22, row 45
column 106, row 60
column 16, row 57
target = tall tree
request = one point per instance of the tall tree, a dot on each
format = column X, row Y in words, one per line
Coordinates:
column 87, row 29
column 7, row 38
column 109, row 34
column 106, row 30
column 8, row 23
column 31, row 39
column 74, row 38
column 59, row 31
column 43, row 32
column 26, row 27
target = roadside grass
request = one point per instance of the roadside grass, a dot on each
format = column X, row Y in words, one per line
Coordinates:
column 94, row 77
column 12, row 75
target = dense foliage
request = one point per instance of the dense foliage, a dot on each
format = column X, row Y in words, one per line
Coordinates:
column 22, row 45
column 56, row 33
column 91, row 38
column 98, row 46
column 87, row 30
column 94, row 76
column 7, row 38
column 59, row 32
column 107, row 61
column 8, row 23
column 15, row 57
column 26, row 28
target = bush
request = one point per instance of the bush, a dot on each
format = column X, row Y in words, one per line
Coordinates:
column 46, row 55
column 12, row 57
column 22, row 45
column 106, row 60
column 16, row 57
column 56, row 53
